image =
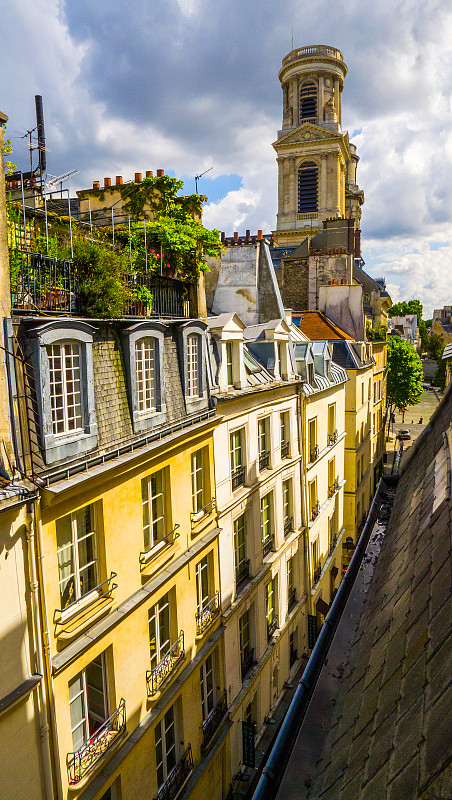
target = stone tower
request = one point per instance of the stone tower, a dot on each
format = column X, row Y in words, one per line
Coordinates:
column 316, row 162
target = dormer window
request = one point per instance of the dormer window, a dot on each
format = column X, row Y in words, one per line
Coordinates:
column 143, row 353
column 65, row 387
column 193, row 361
column 145, row 360
column 192, row 365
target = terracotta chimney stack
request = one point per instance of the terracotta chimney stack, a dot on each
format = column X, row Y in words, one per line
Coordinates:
column 160, row 173
column 137, row 177
column 236, row 236
column 149, row 173
column 96, row 185
column 107, row 183
column 119, row 180
column 259, row 236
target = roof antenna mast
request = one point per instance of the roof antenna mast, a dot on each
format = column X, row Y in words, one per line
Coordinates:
column 197, row 177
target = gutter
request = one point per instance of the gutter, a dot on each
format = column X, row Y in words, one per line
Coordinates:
column 275, row 767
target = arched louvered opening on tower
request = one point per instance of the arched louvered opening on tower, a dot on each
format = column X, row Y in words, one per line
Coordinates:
column 308, row 180
column 308, row 101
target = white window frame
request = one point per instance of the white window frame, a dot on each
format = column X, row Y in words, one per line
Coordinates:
column 147, row 393
column 161, row 735
column 63, row 398
column 79, row 598
column 239, row 546
column 162, row 646
column 146, row 360
column 208, row 686
column 194, row 383
column 82, row 694
column 198, row 480
column 151, row 518
column 193, row 349
column 267, row 528
column 202, row 584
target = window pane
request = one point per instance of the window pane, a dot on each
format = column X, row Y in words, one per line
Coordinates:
column 65, row 552
column 77, row 711
column 145, row 359
column 192, row 365
column 95, row 691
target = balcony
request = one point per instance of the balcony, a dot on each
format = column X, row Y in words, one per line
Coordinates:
column 288, row 525
column 333, row 544
column 292, row 599
column 247, row 662
column 208, row 614
column 264, row 459
column 177, row 777
column 314, row 453
column 242, row 573
column 162, row 544
column 315, row 511
column 332, row 438
column 272, row 627
column 284, row 449
column 85, row 608
column 213, row 721
column 205, row 511
column 156, row 677
column 238, row 477
column 268, row 545
column 84, row 759
column 317, row 573
column 333, row 487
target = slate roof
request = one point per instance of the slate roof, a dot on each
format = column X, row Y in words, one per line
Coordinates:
column 391, row 734
column 317, row 326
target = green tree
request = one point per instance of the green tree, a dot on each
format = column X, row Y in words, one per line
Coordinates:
column 439, row 378
column 412, row 307
column 435, row 346
column 405, row 375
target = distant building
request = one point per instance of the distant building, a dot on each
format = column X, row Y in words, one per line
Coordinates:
column 406, row 327
column 442, row 323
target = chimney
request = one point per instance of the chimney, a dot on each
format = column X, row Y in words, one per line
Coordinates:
column 107, row 183
column 96, row 185
column 236, row 236
column 288, row 313
column 137, row 177
column 149, row 173
column 119, row 180
column 160, row 173
column 259, row 236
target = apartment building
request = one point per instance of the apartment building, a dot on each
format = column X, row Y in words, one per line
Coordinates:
column 260, row 516
column 380, row 356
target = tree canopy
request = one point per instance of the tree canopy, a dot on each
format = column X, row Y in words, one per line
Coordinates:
column 405, row 375
column 411, row 307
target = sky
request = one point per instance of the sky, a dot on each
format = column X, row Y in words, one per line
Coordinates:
column 185, row 85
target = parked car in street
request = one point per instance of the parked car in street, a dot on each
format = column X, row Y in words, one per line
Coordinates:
column 404, row 434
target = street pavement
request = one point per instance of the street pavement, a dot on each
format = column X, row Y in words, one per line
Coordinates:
column 413, row 414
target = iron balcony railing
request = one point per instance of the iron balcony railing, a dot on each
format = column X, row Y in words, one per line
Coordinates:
column 247, row 662
column 177, row 777
column 268, row 545
column 288, row 525
column 264, row 459
column 82, row 761
column 332, row 438
column 161, row 544
column 103, row 592
column 317, row 573
column 314, row 453
column 292, row 598
column 196, row 516
column 168, row 664
column 272, row 626
column 208, row 614
column 213, row 721
column 242, row 572
column 168, row 296
column 315, row 511
column 238, row 477
column 333, row 543
column 284, row 449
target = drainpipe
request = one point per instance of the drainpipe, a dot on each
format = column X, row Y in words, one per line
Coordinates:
column 304, row 506
column 34, row 585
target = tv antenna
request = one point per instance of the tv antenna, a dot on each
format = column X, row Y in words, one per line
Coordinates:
column 197, row 177
column 54, row 179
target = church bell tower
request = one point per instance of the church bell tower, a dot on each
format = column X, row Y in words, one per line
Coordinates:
column 316, row 162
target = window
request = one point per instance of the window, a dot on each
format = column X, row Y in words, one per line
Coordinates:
column 88, row 702
column 236, row 452
column 229, row 370
column 159, row 621
column 313, row 499
column 166, row 746
column 308, row 101
column 315, row 555
column 332, row 433
column 192, row 365
column 241, row 566
column 270, row 606
column 331, row 477
column 65, row 387
column 308, row 187
column 312, row 443
column 202, row 583
column 77, row 554
column 246, row 651
column 290, row 583
column 267, row 522
column 311, row 379
column 197, row 481
column 146, row 362
column 153, row 500
column 285, row 433
column 287, row 506
column 263, row 437
column 207, row 687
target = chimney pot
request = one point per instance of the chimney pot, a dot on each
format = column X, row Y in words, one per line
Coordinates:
column 137, row 177
column 259, row 236
column 96, row 185
column 119, row 180
column 160, row 173
column 107, row 183
column 149, row 173
column 236, row 236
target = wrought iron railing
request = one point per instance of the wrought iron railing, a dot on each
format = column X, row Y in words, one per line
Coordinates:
column 168, row 664
column 208, row 614
column 104, row 590
column 284, row 449
column 80, row 762
column 177, row 777
column 247, row 662
column 332, row 438
column 333, row 543
column 292, row 598
column 264, row 459
column 242, row 572
column 161, row 544
column 214, row 720
column 272, row 627
column 315, row 511
column 288, row 525
column 268, row 545
column 238, row 477
column 314, row 453
column 196, row 516
column 317, row 573
column 168, row 295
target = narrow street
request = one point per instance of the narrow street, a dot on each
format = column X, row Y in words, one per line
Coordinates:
column 413, row 415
